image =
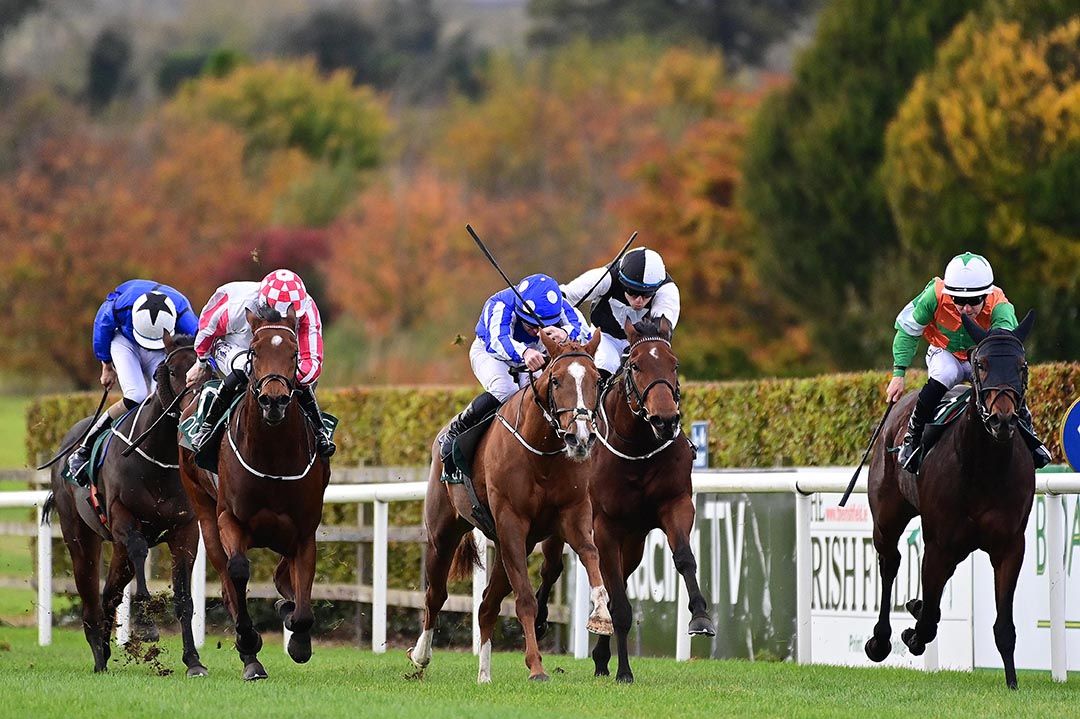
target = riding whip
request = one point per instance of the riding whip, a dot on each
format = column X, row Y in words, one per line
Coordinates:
column 614, row 263
column 873, row 438
column 76, row 443
column 138, row 440
column 495, row 264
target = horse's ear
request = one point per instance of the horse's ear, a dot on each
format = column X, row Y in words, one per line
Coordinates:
column 631, row 333
column 550, row 345
column 665, row 328
column 977, row 333
column 290, row 315
column 167, row 338
column 593, row 343
column 252, row 318
column 1022, row 330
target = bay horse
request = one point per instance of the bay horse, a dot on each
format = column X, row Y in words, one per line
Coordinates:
column 144, row 505
column 267, row 492
column 526, row 470
column 974, row 491
column 638, row 482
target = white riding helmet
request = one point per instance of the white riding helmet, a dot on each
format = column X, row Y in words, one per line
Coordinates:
column 968, row 275
column 152, row 315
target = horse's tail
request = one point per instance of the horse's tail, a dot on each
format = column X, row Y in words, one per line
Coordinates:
column 47, row 508
column 465, row 558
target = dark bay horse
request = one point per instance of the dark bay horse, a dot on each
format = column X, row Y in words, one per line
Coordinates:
column 268, row 491
column 527, row 472
column 639, row 481
column 145, row 505
column 974, row 491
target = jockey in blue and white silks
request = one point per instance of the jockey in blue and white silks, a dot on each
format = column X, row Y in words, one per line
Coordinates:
column 507, row 347
column 128, row 341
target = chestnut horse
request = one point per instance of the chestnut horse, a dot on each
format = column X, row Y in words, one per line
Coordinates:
column 526, row 470
column 974, row 491
column 144, row 504
column 639, row 481
column 268, row 491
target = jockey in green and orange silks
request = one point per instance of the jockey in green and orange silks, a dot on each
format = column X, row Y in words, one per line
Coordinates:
column 967, row 289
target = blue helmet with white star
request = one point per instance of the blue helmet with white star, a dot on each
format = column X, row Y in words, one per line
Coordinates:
column 152, row 315
column 543, row 300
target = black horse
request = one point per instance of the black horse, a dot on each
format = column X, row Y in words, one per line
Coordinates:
column 974, row 491
column 144, row 505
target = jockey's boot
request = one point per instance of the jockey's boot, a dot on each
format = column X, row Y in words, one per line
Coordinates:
column 323, row 444
column 1039, row 452
column 929, row 397
column 481, row 406
column 77, row 460
column 231, row 386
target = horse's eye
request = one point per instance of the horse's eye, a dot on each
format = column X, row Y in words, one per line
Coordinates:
column 554, row 382
column 634, row 367
column 676, row 366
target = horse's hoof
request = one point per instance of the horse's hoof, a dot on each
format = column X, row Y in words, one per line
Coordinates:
column 483, row 679
column 603, row 627
column 101, row 669
column 877, row 650
column 915, row 645
column 602, row 672
column 701, row 625
column 284, row 608
column 197, row 670
column 914, row 607
column 418, row 665
column 300, row 647
column 254, row 671
column 627, row 678
column 541, row 677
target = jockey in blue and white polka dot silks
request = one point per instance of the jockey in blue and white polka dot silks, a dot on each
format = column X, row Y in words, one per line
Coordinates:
column 507, row 347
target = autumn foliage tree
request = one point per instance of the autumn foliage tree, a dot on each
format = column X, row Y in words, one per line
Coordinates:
column 984, row 154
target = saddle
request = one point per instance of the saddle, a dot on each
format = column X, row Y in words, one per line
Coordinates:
column 95, row 499
column 463, row 451
column 207, row 457
column 951, row 407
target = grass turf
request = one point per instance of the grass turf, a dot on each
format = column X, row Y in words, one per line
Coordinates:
column 343, row 681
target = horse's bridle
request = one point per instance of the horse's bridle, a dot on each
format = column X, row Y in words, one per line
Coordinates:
column 258, row 384
column 170, row 410
column 633, row 394
column 977, row 357
column 551, row 412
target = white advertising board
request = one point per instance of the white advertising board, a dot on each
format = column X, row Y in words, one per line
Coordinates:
column 846, row 589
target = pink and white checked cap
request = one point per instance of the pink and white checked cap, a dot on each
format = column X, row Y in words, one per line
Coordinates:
column 282, row 288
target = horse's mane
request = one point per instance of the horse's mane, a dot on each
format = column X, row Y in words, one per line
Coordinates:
column 266, row 313
column 648, row 327
column 183, row 340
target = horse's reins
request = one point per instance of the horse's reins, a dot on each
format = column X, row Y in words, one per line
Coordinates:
column 256, row 391
column 551, row 412
column 133, row 445
column 639, row 397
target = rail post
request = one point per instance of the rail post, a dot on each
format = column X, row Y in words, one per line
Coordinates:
column 803, row 578
column 1055, row 560
column 44, row 579
column 379, row 578
column 479, row 583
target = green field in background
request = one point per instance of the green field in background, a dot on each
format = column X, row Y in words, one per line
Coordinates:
column 13, row 431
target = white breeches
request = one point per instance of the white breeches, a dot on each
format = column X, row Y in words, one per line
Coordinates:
column 943, row 366
column 609, row 353
column 135, row 367
column 493, row 373
column 227, row 355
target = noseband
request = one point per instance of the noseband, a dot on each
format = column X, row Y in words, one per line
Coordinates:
column 551, row 412
column 259, row 385
column 633, row 394
column 1007, row 347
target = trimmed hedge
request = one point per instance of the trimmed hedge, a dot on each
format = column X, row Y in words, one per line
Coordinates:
column 817, row 421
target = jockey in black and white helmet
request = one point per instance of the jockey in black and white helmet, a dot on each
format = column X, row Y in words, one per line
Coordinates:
column 639, row 286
